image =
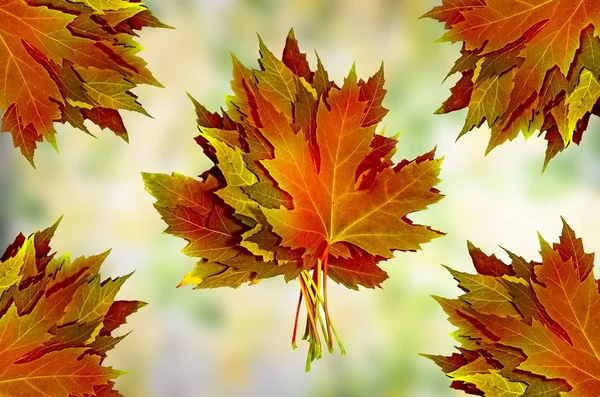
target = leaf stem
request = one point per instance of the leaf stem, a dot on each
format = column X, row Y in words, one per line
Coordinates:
column 294, row 346
column 310, row 291
column 313, row 337
column 343, row 351
column 313, row 298
column 325, row 307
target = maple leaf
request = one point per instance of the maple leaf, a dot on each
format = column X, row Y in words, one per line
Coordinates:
column 302, row 182
column 526, row 66
column 527, row 328
column 56, row 321
column 63, row 61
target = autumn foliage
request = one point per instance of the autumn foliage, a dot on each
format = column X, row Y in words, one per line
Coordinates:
column 69, row 61
column 527, row 328
column 302, row 183
column 525, row 66
column 56, row 322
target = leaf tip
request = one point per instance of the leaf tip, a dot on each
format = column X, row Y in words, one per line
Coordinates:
column 450, row 270
column 234, row 59
column 194, row 101
column 470, row 246
column 30, row 160
column 261, row 43
column 60, row 218
column 543, row 243
column 105, row 255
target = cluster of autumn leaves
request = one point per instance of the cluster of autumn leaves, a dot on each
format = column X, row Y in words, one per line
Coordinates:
column 528, row 328
column 56, row 323
column 69, row 61
column 525, row 67
column 304, row 187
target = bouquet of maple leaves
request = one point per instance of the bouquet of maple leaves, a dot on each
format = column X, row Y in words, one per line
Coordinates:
column 528, row 328
column 303, row 187
column 56, row 321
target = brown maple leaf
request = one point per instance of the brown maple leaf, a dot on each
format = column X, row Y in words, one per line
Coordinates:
column 63, row 61
column 302, row 183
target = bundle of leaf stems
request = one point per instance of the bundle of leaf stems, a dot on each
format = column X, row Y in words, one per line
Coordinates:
column 310, row 290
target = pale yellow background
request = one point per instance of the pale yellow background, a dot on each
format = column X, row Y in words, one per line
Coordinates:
column 237, row 342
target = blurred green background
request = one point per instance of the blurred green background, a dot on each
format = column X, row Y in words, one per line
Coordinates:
column 237, row 342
